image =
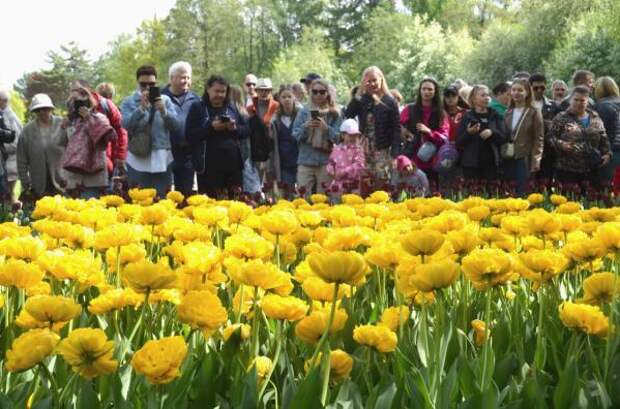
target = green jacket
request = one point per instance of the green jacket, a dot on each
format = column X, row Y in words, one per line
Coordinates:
column 498, row 107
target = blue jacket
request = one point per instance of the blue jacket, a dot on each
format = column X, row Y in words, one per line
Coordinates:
column 309, row 156
column 180, row 147
column 135, row 119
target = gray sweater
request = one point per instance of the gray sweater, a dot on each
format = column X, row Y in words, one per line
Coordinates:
column 39, row 151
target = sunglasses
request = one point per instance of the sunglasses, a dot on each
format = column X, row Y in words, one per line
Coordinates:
column 147, row 84
column 250, row 84
column 540, row 88
column 319, row 91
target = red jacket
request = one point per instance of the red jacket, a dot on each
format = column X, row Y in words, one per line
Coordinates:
column 117, row 149
column 437, row 136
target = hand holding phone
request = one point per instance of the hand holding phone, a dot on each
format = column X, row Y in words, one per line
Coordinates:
column 154, row 94
column 314, row 114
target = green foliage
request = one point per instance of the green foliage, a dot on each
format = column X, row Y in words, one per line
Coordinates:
column 18, row 105
column 592, row 44
column 407, row 49
column 310, row 54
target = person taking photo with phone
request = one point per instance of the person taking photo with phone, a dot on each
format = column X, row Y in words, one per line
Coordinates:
column 316, row 129
column 215, row 131
column 149, row 117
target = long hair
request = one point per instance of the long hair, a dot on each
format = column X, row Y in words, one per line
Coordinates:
column 288, row 88
column 528, row 89
column 437, row 111
column 606, row 87
column 235, row 97
column 331, row 95
column 377, row 71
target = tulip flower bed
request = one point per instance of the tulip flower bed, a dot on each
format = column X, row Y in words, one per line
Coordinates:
column 427, row 303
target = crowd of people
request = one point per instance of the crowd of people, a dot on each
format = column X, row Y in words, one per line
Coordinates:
column 299, row 140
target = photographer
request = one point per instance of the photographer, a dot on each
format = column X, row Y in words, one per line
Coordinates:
column 12, row 122
column 9, row 129
column 214, row 131
column 87, row 134
column 149, row 117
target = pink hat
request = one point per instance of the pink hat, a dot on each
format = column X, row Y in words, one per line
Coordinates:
column 402, row 162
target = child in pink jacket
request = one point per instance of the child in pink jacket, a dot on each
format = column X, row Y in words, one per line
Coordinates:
column 347, row 162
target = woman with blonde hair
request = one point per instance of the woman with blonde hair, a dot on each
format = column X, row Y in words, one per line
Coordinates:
column 316, row 128
column 522, row 153
column 379, row 121
column 608, row 107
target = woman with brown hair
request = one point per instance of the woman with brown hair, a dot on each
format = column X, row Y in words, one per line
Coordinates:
column 316, row 129
column 522, row 153
column 379, row 121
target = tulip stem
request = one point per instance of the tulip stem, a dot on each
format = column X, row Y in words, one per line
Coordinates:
column 487, row 341
column 326, row 369
column 539, row 356
column 329, row 325
column 54, row 385
column 276, row 357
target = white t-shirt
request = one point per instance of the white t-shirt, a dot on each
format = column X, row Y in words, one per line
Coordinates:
column 516, row 116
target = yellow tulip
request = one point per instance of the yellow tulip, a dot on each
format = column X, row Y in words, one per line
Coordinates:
column 379, row 337
column 341, row 267
column 480, row 335
column 89, row 352
column 263, row 365
column 312, row 327
column 20, row 274
column 160, row 360
column 284, row 308
column 587, row 318
column 543, row 265
column 244, row 331
column 51, row 309
column 600, row 288
column 541, row 222
column 435, row 275
column 143, row 276
column 478, row 213
column 257, row 273
column 114, row 300
column 279, row 222
column 23, row 248
column 30, row 348
column 393, row 317
column 422, row 242
column 487, row 268
column 202, row 310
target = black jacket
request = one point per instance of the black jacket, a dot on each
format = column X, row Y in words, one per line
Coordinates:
column 471, row 144
column 609, row 110
column 204, row 139
column 387, row 120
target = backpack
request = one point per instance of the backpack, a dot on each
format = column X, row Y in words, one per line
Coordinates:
column 261, row 145
column 446, row 158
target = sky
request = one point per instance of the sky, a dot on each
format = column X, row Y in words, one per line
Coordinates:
column 31, row 28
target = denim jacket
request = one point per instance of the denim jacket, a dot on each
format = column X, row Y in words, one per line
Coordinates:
column 135, row 119
column 309, row 156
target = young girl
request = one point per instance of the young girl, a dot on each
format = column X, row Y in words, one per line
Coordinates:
column 286, row 149
column 409, row 177
column 347, row 162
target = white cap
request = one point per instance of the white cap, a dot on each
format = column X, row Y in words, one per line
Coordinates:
column 40, row 101
column 350, row 127
column 264, row 83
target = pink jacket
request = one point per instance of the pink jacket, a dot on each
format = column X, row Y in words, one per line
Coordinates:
column 346, row 163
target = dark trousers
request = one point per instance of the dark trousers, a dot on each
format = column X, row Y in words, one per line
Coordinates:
column 487, row 173
column 183, row 177
column 568, row 177
column 223, row 173
column 515, row 170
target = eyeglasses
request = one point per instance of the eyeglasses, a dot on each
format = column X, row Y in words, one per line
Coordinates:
column 539, row 88
column 147, row 84
column 319, row 91
column 250, row 84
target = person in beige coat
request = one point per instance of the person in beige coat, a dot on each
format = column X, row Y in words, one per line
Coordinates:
column 522, row 154
column 39, row 150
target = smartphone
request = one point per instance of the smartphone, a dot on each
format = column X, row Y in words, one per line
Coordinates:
column 224, row 118
column 314, row 114
column 474, row 122
column 154, row 94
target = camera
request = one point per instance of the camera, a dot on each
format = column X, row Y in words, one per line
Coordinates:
column 2, row 123
column 154, row 94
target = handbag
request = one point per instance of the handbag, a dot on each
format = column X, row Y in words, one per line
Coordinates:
column 594, row 157
column 426, row 151
column 446, row 159
column 140, row 142
column 507, row 150
column 83, row 153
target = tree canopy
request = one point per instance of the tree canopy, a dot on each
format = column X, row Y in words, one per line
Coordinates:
column 477, row 40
